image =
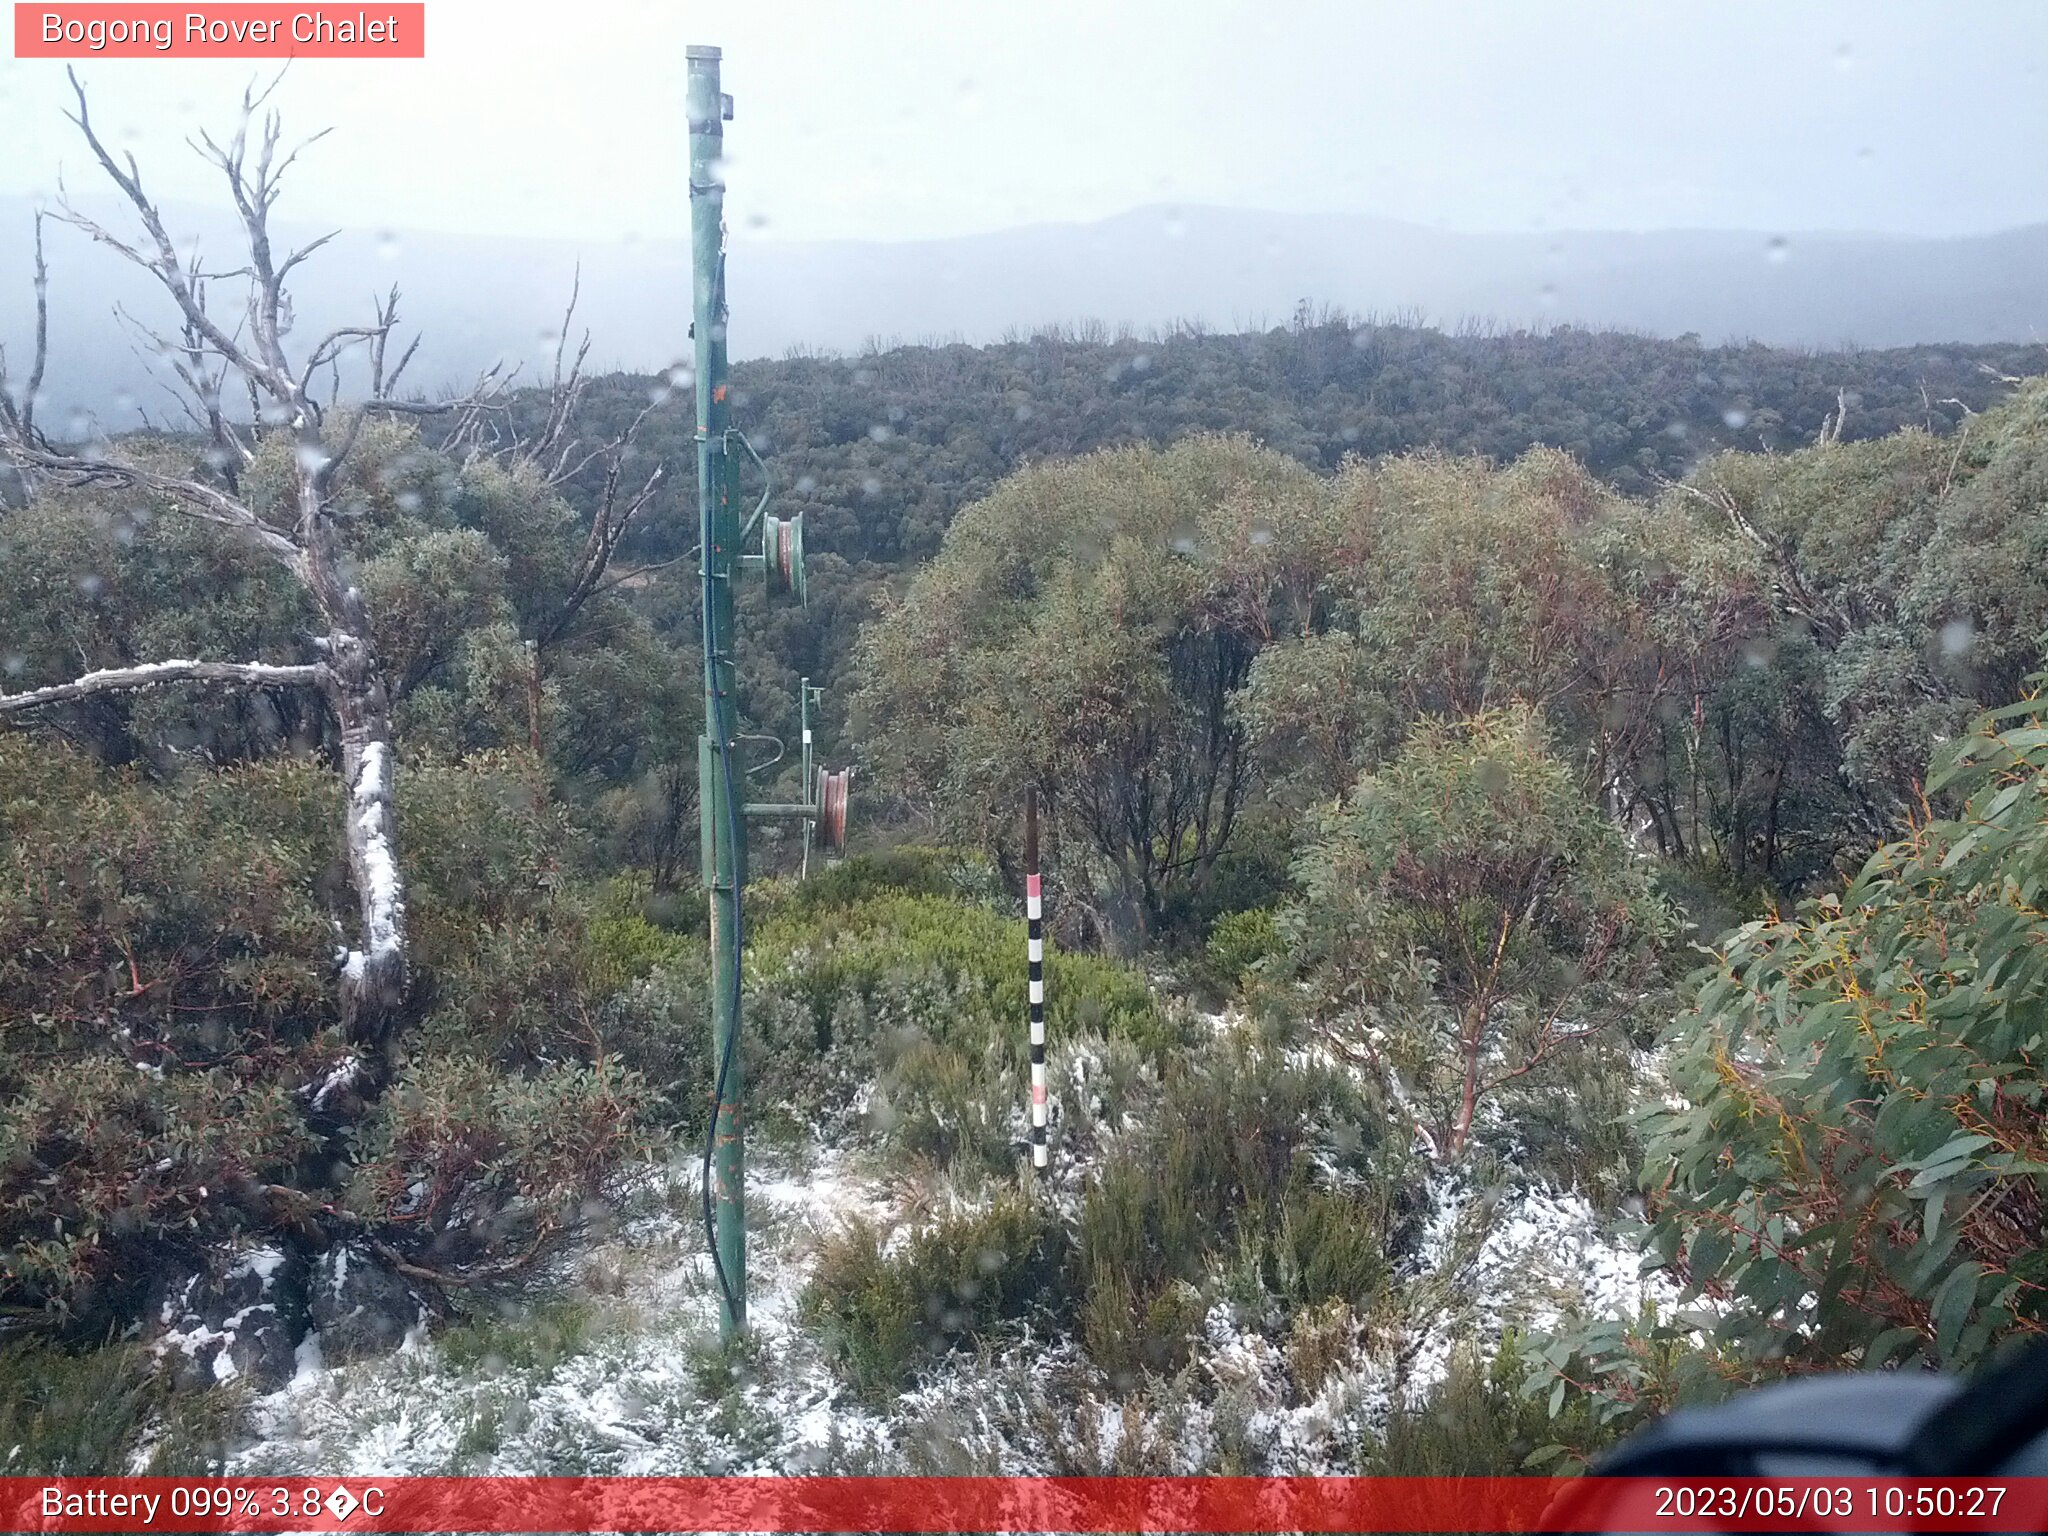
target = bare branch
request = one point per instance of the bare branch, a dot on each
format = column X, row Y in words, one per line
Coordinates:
column 42, row 351
column 165, row 265
column 608, row 526
column 156, row 674
column 563, row 393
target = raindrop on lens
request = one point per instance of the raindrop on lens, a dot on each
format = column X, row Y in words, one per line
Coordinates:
column 1736, row 418
column 1957, row 637
column 1778, row 249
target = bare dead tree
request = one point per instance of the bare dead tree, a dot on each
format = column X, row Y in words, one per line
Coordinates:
column 252, row 355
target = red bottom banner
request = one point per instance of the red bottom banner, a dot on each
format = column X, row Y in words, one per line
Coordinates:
column 1021, row 1504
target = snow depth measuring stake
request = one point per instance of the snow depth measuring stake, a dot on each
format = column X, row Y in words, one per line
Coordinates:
column 1034, row 942
column 722, row 452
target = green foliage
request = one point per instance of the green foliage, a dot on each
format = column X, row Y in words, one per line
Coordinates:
column 66, row 1414
column 470, row 1162
column 1858, row 1165
column 1238, row 943
column 1472, row 925
column 885, row 1312
column 166, row 1019
column 1918, row 566
column 529, row 1338
column 160, row 997
column 84, row 1412
column 1083, row 631
column 1478, row 1422
column 1231, row 1166
column 856, row 979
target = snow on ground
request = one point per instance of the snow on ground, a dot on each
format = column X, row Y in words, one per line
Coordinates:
column 635, row 1387
column 1527, row 1258
column 633, row 1384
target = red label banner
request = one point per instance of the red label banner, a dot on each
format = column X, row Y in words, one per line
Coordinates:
column 235, row 31
column 1022, row 1504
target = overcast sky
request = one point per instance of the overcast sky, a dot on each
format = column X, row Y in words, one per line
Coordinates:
column 902, row 119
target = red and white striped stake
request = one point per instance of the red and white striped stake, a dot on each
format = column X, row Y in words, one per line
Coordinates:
column 1034, row 915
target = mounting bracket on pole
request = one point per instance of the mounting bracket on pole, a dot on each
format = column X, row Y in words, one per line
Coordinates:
column 823, row 811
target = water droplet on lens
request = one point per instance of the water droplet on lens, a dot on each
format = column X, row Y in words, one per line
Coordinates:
column 1778, row 248
column 1957, row 637
column 1736, row 418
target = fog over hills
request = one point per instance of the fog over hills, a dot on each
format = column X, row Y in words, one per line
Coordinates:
column 480, row 298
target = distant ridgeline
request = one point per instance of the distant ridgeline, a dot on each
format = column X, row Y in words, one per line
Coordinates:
column 880, row 450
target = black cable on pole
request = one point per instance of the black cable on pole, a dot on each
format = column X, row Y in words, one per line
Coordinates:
column 716, row 722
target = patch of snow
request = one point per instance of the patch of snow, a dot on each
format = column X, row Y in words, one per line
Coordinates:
column 307, row 1362
column 263, row 1263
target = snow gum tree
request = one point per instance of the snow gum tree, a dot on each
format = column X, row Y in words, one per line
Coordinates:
column 212, row 1016
column 1472, row 926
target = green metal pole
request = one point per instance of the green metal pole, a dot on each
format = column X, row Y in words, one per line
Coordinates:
column 724, row 857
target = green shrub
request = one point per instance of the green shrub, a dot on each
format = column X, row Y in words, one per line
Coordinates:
column 906, row 870
column 1865, row 1073
column 78, row 1412
column 924, row 996
column 1130, row 1333
column 472, row 1165
column 1477, row 1422
column 625, row 941
column 532, row 1337
column 1238, row 942
column 1327, row 1247
column 1233, row 1169
column 1320, row 1342
column 825, row 953
column 883, row 1316
column 65, row 1414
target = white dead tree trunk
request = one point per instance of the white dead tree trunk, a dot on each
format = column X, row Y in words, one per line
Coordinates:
column 219, row 362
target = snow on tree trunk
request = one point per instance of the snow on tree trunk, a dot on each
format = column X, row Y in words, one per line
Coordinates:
column 374, row 972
